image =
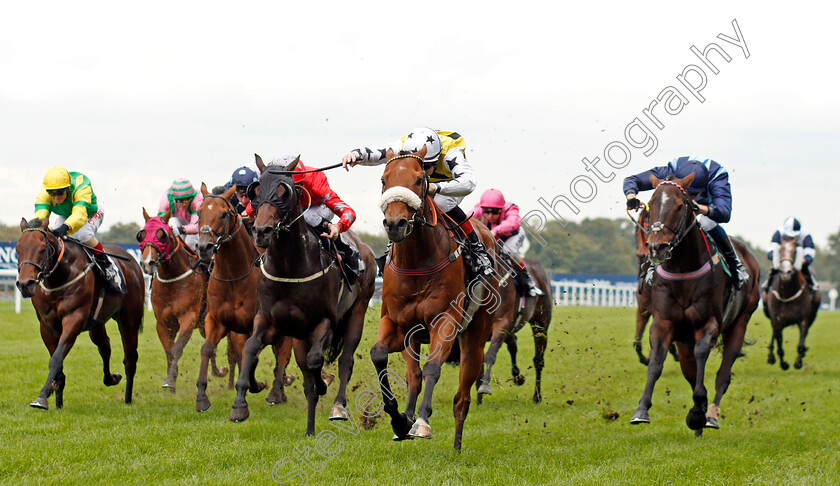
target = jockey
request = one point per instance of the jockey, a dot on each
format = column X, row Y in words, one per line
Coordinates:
column 502, row 218
column 450, row 178
column 242, row 178
column 182, row 201
column 791, row 229
column 320, row 204
column 69, row 197
column 712, row 195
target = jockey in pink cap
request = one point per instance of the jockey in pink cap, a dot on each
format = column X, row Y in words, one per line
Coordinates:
column 182, row 201
column 502, row 218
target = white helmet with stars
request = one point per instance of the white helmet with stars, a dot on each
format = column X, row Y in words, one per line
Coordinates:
column 420, row 137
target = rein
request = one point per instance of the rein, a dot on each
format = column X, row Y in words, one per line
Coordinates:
column 294, row 280
column 422, row 272
column 221, row 239
column 418, row 216
column 681, row 231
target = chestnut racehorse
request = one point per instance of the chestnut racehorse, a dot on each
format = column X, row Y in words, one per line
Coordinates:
column 510, row 317
column 790, row 301
column 68, row 298
column 302, row 298
column 231, row 290
column 425, row 299
column 693, row 302
column 178, row 291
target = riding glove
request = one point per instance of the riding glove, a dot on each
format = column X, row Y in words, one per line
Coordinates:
column 61, row 230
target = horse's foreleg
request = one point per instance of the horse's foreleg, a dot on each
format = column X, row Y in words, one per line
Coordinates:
column 441, row 341
column 661, row 335
column 777, row 335
column 696, row 417
column 642, row 317
column 352, row 336
column 70, row 330
column 387, row 342
column 771, row 356
column 413, row 377
column 167, row 339
column 732, row 344
column 213, row 334
column 310, row 383
column 540, row 344
column 246, row 378
column 513, row 348
column 500, row 331
column 99, row 336
column 472, row 348
column 282, row 355
column 802, row 349
column 130, row 324
column 322, row 336
column 185, row 330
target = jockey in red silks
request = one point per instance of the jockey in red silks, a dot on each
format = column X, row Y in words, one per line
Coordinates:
column 320, row 204
column 502, row 218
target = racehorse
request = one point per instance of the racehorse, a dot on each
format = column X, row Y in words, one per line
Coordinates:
column 69, row 299
column 425, row 299
column 790, row 301
column 643, row 292
column 178, row 292
column 692, row 301
column 231, row 290
column 302, row 296
column 515, row 310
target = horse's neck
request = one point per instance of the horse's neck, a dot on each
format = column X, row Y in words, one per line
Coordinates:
column 790, row 287
column 424, row 247
column 72, row 262
column 689, row 254
column 291, row 252
column 177, row 263
column 240, row 244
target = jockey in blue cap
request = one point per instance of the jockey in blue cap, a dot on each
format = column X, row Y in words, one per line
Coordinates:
column 242, row 178
column 711, row 193
column 792, row 229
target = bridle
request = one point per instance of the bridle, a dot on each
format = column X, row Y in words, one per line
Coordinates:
column 682, row 227
column 51, row 253
column 221, row 239
column 418, row 216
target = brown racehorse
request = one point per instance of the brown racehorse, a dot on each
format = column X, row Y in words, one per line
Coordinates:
column 643, row 292
column 425, row 299
column 790, row 301
column 302, row 297
column 692, row 301
column 231, row 290
column 69, row 299
column 510, row 317
column 178, row 292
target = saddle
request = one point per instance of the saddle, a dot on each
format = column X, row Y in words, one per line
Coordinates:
column 113, row 283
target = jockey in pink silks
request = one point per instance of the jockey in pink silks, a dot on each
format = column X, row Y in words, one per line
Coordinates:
column 183, row 201
column 502, row 218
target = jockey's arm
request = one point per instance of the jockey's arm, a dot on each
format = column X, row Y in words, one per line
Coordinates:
column 192, row 227
column 720, row 193
column 373, row 155
column 463, row 179
column 641, row 182
column 320, row 192
column 43, row 204
column 510, row 224
column 79, row 214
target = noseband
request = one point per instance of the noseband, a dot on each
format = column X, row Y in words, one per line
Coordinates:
column 418, row 216
column 51, row 252
column 681, row 231
column 221, row 239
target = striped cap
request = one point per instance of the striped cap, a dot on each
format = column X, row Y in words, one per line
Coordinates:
column 182, row 189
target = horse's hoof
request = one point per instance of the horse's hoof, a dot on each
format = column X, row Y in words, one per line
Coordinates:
column 484, row 389
column 397, row 438
column 785, row 365
column 339, row 413
column 40, row 403
column 288, row 380
column 260, row 387
column 202, row 404
column 797, row 364
column 537, row 398
column 113, row 379
column 421, row 429
column 221, row 372
column 328, row 378
column 771, row 359
column 640, row 417
column 239, row 414
column 712, row 423
column 695, row 419
column 276, row 398
column 698, row 433
column 519, row 380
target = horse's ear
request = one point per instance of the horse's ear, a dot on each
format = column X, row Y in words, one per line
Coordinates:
column 229, row 193
column 654, row 181
column 260, row 163
column 685, row 181
column 22, row 224
column 422, row 152
column 204, row 191
column 389, row 154
column 145, row 214
column 165, row 217
column 293, row 164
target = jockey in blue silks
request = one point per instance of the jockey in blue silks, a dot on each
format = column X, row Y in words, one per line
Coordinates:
column 711, row 193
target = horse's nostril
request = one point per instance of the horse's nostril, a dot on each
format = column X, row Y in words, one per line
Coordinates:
column 402, row 223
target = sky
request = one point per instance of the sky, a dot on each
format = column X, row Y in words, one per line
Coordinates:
column 136, row 95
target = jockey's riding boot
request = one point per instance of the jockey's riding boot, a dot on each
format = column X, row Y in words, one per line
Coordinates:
column 809, row 276
column 740, row 276
column 482, row 266
column 769, row 281
column 649, row 275
column 382, row 259
column 113, row 280
column 523, row 278
column 349, row 259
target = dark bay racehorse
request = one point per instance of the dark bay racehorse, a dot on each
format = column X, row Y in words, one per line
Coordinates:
column 425, row 299
column 178, row 292
column 790, row 301
column 693, row 302
column 302, row 296
column 231, row 290
column 68, row 298
column 515, row 310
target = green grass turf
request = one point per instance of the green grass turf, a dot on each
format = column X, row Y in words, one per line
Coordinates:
column 777, row 427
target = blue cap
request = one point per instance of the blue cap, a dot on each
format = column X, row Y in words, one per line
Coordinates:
column 243, row 176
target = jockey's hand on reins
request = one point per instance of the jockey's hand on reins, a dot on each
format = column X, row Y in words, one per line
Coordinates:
column 61, row 230
column 633, row 203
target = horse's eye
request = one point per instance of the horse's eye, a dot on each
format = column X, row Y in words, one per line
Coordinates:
column 141, row 235
column 419, row 182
